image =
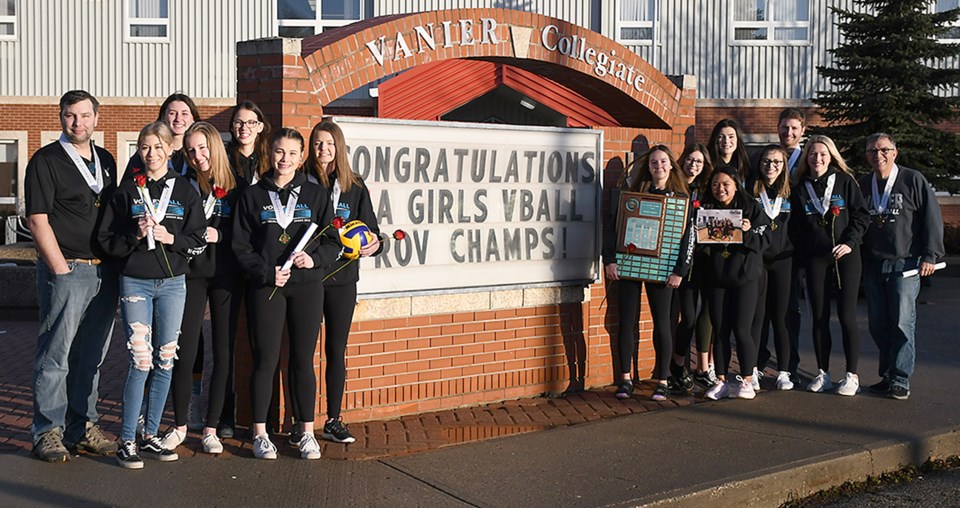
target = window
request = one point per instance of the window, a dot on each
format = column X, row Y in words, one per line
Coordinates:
column 8, row 20
column 953, row 34
column 8, row 172
column 303, row 18
column 147, row 21
column 771, row 22
column 635, row 21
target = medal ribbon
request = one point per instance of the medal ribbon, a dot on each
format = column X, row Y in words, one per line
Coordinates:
column 284, row 213
column 94, row 182
column 821, row 205
column 881, row 202
column 157, row 212
column 772, row 210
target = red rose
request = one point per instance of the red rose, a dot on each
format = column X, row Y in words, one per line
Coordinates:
column 141, row 180
column 835, row 210
column 696, row 203
column 338, row 222
column 399, row 234
column 631, row 248
column 219, row 192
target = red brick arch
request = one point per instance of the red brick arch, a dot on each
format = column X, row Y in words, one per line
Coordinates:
column 339, row 61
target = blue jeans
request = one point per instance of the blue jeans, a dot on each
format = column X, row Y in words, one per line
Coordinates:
column 152, row 311
column 892, row 314
column 77, row 311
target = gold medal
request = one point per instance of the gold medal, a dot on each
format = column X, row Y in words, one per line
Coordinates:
column 284, row 237
column 823, row 221
column 725, row 253
column 879, row 220
column 96, row 202
column 773, row 226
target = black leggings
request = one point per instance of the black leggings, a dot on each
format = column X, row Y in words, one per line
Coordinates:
column 692, row 322
column 659, row 297
column 732, row 310
column 822, row 283
column 772, row 306
column 298, row 303
column 339, row 303
column 225, row 297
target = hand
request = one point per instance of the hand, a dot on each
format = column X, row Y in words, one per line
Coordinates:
column 926, row 269
column 841, row 250
column 282, row 276
column 161, row 234
column 745, row 225
column 143, row 226
column 674, row 280
column 611, row 271
column 370, row 248
column 302, row 260
column 213, row 236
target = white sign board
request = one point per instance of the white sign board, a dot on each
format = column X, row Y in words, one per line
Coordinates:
column 481, row 205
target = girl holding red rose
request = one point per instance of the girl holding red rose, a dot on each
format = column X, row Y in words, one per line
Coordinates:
column 350, row 199
column 214, row 275
column 829, row 219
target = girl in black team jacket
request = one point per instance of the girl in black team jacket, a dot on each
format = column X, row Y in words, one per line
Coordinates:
column 329, row 164
column 248, row 149
column 730, row 275
column 658, row 173
column 771, row 189
column 153, row 223
column 827, row 225
column 271, row 218
column 214, row 274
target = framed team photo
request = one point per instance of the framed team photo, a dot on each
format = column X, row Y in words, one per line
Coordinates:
column 719, row 226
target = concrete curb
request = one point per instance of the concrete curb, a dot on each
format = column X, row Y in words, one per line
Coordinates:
column 801, row 479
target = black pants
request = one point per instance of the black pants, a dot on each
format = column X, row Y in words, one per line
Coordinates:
column 225, row 295
column 339, row 303
column 691, row 322
column 773, row 301
column 659, row 297
column 732, row 310
column 822, row 283
column 797, row 298
column 299, row 304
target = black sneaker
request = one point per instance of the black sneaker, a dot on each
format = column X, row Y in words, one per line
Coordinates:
column 882, row 387
column 336, row 431
column 152, row 448
column 225, row 430
column 624, row 389
column 899, row 392
column 127, row 456
column 682, row 384
column 296, row 434
column 50, row 447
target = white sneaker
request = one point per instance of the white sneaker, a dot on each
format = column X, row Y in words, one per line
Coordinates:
column 173, row 439
column 820, row 383
column 263, row 448
column 756, row 379
column 309, row 447
column 212, row 444
column 745, row 390
column 850, row 385
column 783, row 381
column 718, row 391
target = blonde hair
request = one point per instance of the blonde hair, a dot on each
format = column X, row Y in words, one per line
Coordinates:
column 158, row 129
column 835, row 158
column 220, row 172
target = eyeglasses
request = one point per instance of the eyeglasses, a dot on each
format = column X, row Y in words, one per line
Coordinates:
column 249, row 123
column 874, row 151
column 695, row 162
column 772, row 162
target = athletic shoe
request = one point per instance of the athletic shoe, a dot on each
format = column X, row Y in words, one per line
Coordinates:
column 659, row 393
column 336, row 431
column 263, row 448
column 707, row 379
column 174, row 438
column 849, row 386
column 50, row 447
column 211, row 444
column 745, row 390
column 899, row 392
column 625, row 389
column 225, row 430
column 820, row 383
column 93, row 441
column 296, row 433
column 152, row 448
column 783, row 381
column 756, row 380
column 127, row 456
column 882, row 387
column 309, row 447
column 680, row 380
column 718, row 391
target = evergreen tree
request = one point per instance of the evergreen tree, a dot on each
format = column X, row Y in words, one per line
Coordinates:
column 892, row 75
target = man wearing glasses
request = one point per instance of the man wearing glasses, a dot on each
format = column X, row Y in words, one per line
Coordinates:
column 905, row 233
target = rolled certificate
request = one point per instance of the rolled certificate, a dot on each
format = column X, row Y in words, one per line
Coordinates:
column 916, row 271
column 300, row 245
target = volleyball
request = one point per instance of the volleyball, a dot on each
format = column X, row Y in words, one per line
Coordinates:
column 354, row 236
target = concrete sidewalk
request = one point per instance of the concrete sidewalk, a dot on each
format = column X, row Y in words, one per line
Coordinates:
column 587, row 449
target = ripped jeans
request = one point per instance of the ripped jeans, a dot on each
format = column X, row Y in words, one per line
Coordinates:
column 152, row 311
